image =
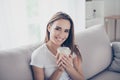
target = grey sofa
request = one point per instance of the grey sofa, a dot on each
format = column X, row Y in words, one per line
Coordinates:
column 98, row 60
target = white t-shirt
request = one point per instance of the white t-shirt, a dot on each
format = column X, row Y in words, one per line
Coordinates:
column 43, row 58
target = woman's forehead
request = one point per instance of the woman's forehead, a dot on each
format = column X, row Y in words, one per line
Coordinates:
column 63, row 23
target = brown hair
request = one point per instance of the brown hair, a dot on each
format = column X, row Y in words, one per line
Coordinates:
column 69, row 42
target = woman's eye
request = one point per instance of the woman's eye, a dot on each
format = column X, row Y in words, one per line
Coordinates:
column 67, row 31
column 57, row 28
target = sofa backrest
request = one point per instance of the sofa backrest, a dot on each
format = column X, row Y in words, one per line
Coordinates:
column 14, row 63
column 95, row 49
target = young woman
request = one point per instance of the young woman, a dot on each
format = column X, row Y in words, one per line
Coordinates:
column 46, row 61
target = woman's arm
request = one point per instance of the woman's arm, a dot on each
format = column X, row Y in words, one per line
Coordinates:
column 38, row 73
column 78, row 68
column 75, row 69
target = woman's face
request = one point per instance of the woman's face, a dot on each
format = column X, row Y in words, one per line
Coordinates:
column 59, row 31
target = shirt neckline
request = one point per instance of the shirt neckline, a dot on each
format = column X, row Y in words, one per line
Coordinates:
column 49, row 51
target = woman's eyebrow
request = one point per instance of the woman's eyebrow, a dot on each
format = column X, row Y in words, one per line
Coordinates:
column 61, row 27
column 58, row 26
column 67, row 29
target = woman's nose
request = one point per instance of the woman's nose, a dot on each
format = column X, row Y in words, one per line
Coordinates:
column 62, row 33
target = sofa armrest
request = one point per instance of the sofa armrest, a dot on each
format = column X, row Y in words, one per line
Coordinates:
column 14, row 63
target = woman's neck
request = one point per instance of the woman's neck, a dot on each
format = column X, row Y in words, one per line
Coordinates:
column 52, row 47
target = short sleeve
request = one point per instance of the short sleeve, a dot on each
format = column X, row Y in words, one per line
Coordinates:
column 37, row 59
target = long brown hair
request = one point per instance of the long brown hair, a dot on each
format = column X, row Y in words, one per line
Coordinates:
column 69, row 42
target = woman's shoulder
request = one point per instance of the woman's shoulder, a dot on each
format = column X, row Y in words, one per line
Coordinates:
column 40, row 49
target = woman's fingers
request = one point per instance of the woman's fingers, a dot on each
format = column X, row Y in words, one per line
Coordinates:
column 59, row 60
column 66, row 61
column 59, row 64
column 57, row 56
column 61, row 68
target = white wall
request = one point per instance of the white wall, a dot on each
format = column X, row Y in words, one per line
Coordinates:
column 118, row 7
column 98, row 17
column 109, row 7
column 112, row 7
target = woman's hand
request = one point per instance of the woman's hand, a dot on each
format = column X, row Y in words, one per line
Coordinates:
column 59, row 62
column 67, row 62
column 71, row 65
column 64, row 62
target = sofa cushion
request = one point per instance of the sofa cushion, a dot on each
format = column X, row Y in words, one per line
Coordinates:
column 107, row 75
column 14, row 63
column 115, row 65
column 95, row 50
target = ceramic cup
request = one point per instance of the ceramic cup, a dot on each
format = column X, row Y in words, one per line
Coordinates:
column 64, row 50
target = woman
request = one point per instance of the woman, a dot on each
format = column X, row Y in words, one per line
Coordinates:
column 46, row 61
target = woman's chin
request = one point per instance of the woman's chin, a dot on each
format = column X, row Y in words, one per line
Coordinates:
column 58, row 43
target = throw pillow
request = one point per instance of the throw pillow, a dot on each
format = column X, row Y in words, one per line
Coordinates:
column 115, row 66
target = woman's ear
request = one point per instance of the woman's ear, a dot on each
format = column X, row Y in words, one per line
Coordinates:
column 49, row 28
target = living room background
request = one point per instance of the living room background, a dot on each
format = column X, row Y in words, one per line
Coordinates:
column 24, row 21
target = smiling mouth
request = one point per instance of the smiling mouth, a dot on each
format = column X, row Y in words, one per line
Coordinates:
column 60, row 39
